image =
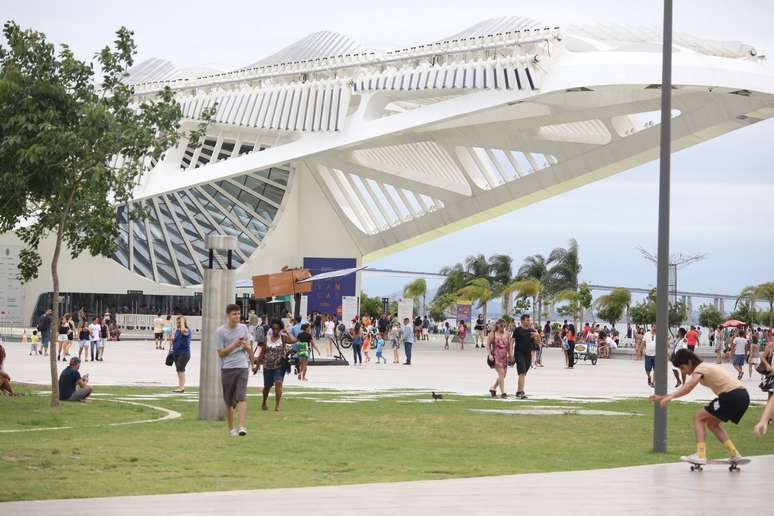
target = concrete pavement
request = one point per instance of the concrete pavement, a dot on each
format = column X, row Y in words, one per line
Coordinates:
column 665, row 489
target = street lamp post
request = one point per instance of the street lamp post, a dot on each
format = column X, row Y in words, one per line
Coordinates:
column 662, row 277
column 219, row 286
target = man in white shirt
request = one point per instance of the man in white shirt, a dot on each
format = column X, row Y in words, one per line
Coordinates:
column 739, row 352
column 649, row 341
column 329, row 334
column 94, row 336
column 158, row 330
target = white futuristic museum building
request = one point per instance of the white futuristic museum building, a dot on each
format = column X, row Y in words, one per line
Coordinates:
column 329, row 154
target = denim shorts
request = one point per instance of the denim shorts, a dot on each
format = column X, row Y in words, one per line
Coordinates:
column 650, row 363
column 738, row 360
column 272, row 376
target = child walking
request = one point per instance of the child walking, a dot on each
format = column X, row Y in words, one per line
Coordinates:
column 446, row 335
column 730, row 405
column 34, row 340
column 379, row 347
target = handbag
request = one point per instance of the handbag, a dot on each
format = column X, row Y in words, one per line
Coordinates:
column 490, row 361
column 170, row 360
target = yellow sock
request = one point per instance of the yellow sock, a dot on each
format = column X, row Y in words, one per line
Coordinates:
column 701, row 450
column 729, row 446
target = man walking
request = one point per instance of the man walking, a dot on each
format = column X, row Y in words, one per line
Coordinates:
column 523, row 337
column 408, row 339
column 233, row 343
column 158, row 331
column 692, row 337
column 479, row 329
column 44, row 327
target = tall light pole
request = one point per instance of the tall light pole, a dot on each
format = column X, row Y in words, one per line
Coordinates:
column 662, row 277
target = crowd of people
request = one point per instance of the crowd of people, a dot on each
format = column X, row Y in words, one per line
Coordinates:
column 90, row 336
column 276, row 346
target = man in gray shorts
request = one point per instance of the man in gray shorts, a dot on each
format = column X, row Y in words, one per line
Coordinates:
column 234, row 346
column 73, row 386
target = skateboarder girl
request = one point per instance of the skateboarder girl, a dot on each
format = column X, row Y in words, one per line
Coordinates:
column 730, row 405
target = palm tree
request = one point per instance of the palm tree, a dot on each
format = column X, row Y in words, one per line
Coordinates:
column 442, row 303
column 529, row 287
column 478, row 289
column 456, row 278
column 500, row 268
column 477, row 266
column 536, row 267
column 416, row 289
column 748, row 293
column 765, row 291
column 618, row 300
column 566, row 267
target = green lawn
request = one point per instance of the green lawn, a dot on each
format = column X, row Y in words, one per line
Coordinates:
column 313, row 443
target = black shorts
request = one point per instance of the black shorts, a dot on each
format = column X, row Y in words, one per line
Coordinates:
column 730, row 406
column 523, row 362
column 181, row 360
column 158, row 335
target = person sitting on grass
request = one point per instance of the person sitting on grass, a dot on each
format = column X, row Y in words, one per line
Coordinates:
column 73, row 386
column 763, row 423
column 5, row 378
column 730, row 405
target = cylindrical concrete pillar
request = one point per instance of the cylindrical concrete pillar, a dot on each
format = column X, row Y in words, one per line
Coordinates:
column 219, row 286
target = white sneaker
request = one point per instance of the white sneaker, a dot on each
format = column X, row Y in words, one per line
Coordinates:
column 736, row 458
column 693, row 459
column 242, row 431
column 233, row 432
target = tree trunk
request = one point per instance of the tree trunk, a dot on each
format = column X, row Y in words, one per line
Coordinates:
column 771, row 313
column 484, row 313
column 54, row 329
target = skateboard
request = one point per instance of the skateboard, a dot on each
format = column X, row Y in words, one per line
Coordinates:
column 732, row 465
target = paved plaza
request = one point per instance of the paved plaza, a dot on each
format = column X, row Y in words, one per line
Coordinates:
column 663, row 489
column 137, row 363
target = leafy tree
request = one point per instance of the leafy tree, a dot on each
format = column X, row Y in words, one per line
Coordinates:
column 525, row 288
column 71, row 150
column 747, row 299
column 478, row 289
column 710, row 316
column 522, row 306
column 442, row 303
column 370, row 305
column 644, row 312
column 610, row 313
column 416, row 289
column 584, row 294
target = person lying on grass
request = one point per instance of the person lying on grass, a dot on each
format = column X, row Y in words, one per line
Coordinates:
column 731, row 402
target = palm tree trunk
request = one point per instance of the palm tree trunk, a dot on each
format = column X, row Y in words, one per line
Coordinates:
column 485, row 314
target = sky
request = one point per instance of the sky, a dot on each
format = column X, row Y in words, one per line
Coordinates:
column 722, row 189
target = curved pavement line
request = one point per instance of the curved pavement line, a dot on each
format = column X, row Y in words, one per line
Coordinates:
column 169, row 415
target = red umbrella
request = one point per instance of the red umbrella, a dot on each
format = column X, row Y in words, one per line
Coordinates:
column 733, row 323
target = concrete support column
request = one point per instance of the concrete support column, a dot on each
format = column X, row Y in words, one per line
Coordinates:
column 219, row 286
